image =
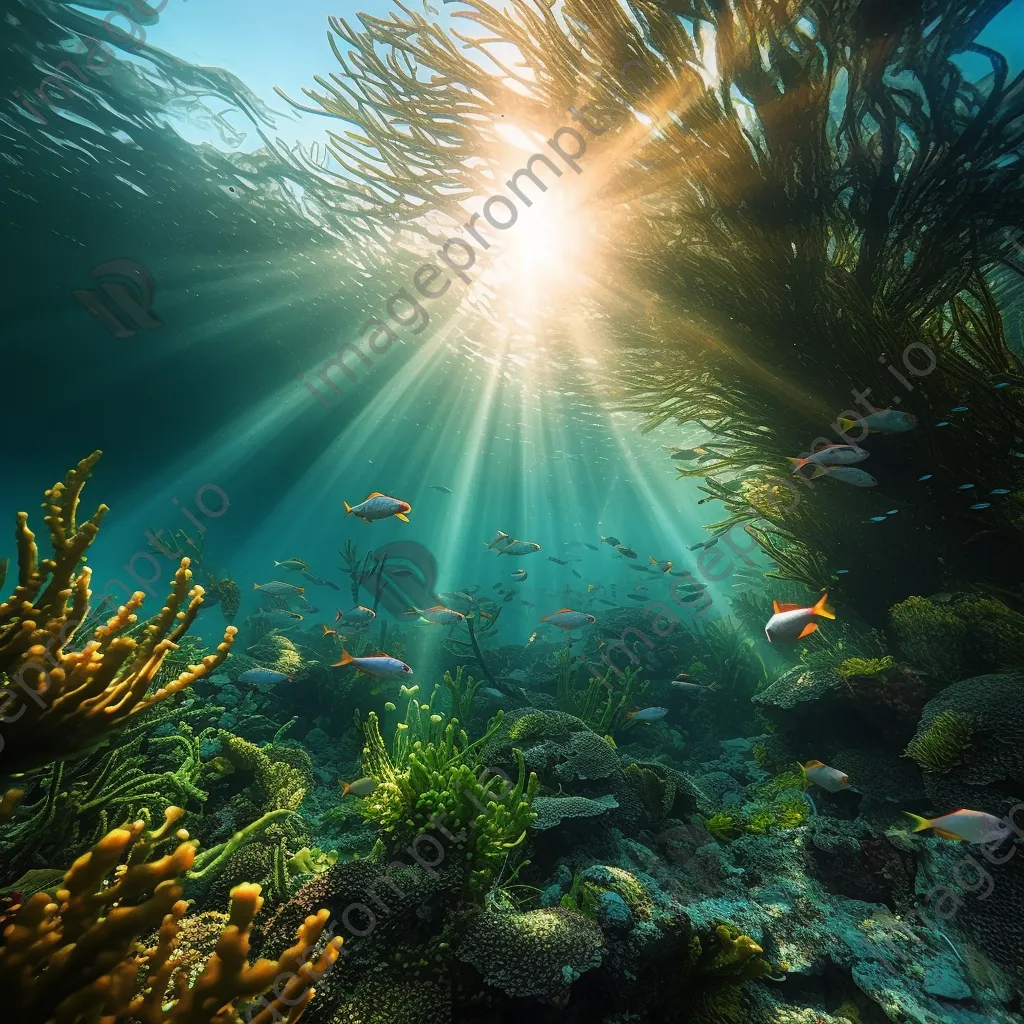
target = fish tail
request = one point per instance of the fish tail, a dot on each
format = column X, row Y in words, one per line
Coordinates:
column 653, row 560
column 345, row 659
column 821, row 608
column 255, row 586
column 345, row 787
column 817, row 471
column 845, row 423
column 348, row 508
column 339, row 616
column 920, row 824
column 795, row 463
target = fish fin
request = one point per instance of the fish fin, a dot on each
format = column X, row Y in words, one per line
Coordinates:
column 301, row 590
column 255, row 586
column 814, row 764
column 817, row 471
column 560, row 610
column 348, row 508
column 545, row 619
column 821, row 608
column 339, row 616
column 920, row 824
column 345, row 659
column 411, row 611
column 783, row 606
column 807, row 630
column 845, row 423
column 402, row 516
column 345, row 787
column 796, row 463
column 376, row 494
column 653, row 560
column 943, row 834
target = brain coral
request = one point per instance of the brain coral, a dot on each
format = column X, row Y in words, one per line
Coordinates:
column 995, row 704
column 588, row 756
column 539, row 953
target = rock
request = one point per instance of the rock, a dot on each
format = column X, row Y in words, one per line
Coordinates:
column 944, row 980
column 614, row 914
column 316, row 739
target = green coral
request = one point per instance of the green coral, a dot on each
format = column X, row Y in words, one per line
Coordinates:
column 724, row 826
column 732, row 957
column 311, row 861
column 277, row 783
column 852, row 667
column 433, row 773
column 276, row 652
column 944, row 745
column 605, row 703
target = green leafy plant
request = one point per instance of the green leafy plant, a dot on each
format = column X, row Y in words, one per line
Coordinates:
column 944, row 745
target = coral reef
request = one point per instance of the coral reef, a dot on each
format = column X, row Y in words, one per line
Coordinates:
column 70, row 707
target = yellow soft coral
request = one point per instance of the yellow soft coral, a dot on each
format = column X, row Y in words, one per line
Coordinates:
column 75, row 959
column 56, row 702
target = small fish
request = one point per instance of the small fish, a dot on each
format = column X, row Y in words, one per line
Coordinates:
column 278, row 617
column 327, row 630
column 510, row 596
column 593, row 547
column 533, row 636
column 500, row 540
column 942, row 423
column 559, row 561
column 966, row 487
column 357, row 614
column 566, row 618
column 881, row 421
column 686, row 598
column 849, row 475
column 661, row 566
column 519, row 575
column 1000, row 490
column 688, row 687
column 638, row 597
column 381, row 666
column 963, row 825
column 611, row 604
column 578, row 575
column 830, row 455
column 498, row 586
column 978, row 506
column 399, row 572
column 648, row 715
column 361, row 787
column 820, row 774
column 791, row 622
column 441, row 488
column 438, row 615
column 279, row 589
column 520, row 547
column 295, row 564
column 379, row 506
column 495, row 695
column 637, row 568
column 877, row 519
column 927, row 476
column 842, row 572
column 613, row 541
column 1001, row 384
column 263, row 677
column 892, row 512
column 960, row 408
column 626, row 552
column 592, row 587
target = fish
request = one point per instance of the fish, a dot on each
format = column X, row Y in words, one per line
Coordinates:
column 927, row 476
column 533, row 636
column 359, row 614
column 327, row 630
column 648, row 715
column 551, row 558
column 966, row 487
column 960, row 408
column 509, row 596
column 690, row 687
column 611, row 604
column 593, row 547
column 279, row 589
column 361, row 787
column 822, row 775
column 661, row 566
column 500, row 539
column 637, row 568
column 441, row 488
column 592, row 587
column 848, row 475
column 830, row 455
column 278, row 617
column 690, row 598
column 685, row 454
column 379, row 506
column 498, row 586
column 520, row 547
column 881, row 421
column 626, row 552
column 978, row 506
column 942, row 423
column 263, row 677
column 578, row 575
column 519, row 575
column 791, row 622
column 494, row 694
column 613, row 541
column 877, row 519
column 517, row 675
column 438, row 615
column 295, row 564
column 380, row 665
column 638, row 597
column 1000, row 490
column 964, row 825
column 566, row 618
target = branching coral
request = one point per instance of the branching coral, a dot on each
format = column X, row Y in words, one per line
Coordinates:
column 433, row 774
column 74, row 959
column 60, row 702
column 945, row 743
